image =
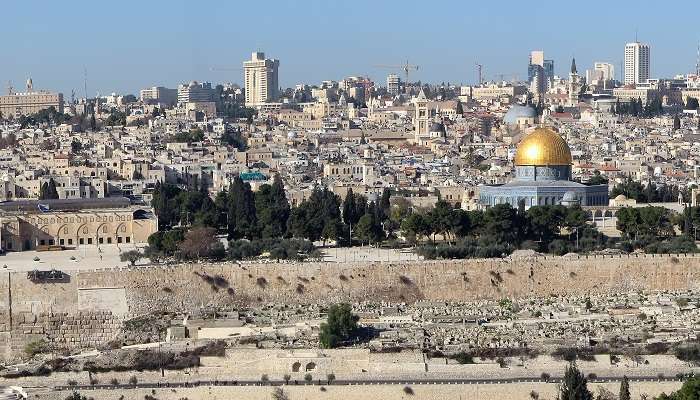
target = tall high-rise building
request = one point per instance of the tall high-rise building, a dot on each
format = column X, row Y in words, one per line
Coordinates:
column 393, row 84
column 261, row 80
column 636, row 63
column 537, row 60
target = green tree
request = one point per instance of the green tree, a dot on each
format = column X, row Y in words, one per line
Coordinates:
column 48, row 190
column 597, row 179
column 131, row 256
column 676, row 122
column 574, row 385
column 242, row 218
column 368, row 229
column 624, row 389
column 459, row 110
column 385, row 204
column 340, row 326
column 272, row 209
column 689, row 391
column 442, row 218
column 415, row 226
column 502, row 223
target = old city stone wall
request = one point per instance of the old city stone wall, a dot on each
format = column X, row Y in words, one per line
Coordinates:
column 88, row 309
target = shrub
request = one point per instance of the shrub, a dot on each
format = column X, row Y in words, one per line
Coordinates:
column 36, row 347
column 463, row 358
column 133, row 380
column 408, row 390
column 308, row 378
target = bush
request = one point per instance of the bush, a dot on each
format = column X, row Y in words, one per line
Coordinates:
column 689, row 353
column 468, row 247
column 133, row 380
column 36, row 347
column 308, row 378
column 408, row 390
column 463, row 358
column 558, row 247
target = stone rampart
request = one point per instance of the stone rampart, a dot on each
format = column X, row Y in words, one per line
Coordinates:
column 29, row 310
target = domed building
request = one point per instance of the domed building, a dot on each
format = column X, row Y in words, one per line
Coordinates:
column 543, row 176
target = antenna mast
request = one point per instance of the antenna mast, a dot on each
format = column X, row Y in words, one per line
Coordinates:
column 697, row 62
column 85, row 83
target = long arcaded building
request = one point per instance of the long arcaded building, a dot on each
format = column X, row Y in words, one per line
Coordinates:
column 29, row 224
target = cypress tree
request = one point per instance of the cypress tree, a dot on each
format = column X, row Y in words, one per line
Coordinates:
column 574, row 385
column 385, row 204
column 51, row 192
column 624, row 389
column 349, row 207
column 242, row 219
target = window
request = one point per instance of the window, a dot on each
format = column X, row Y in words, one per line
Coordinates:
column 89, row 240
column 70, row 241
column 119, row 239
column 109, row 240
column 101, row 240
column 42, row 242
column 60, row 241
column 81, row 241
column 128, row 239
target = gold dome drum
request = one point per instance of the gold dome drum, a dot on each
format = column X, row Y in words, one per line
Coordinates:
column 543, row 147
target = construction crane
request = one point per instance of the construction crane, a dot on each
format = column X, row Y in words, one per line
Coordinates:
column 405, row 67
column 224, row 69
column 479, row 76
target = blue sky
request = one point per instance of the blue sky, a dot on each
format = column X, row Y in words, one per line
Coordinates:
column 127, row 44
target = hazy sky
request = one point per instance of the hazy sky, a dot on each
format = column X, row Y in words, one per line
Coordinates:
column 126, row 45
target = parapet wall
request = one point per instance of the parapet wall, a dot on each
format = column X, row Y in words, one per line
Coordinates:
column 115, row 294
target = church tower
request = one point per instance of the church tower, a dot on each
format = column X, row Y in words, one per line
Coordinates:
column 574, row 85
column 421, row 121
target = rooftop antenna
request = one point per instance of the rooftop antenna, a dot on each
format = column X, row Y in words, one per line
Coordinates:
column 85, row 83
column 697, row 62
column 478, row 73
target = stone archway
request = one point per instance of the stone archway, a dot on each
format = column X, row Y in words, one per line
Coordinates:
column 296, row 366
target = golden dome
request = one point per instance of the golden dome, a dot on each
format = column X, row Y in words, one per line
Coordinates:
column 543, row 147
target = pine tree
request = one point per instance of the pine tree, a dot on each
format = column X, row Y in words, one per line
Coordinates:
column 574, row 385
column 624, row 389
column 676, row 122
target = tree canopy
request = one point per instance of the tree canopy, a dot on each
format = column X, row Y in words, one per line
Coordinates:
column 340, row 326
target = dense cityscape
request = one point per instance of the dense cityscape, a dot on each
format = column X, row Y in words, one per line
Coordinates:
column 517, row 237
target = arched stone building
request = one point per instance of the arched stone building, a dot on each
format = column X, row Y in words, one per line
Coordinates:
column 28, row 225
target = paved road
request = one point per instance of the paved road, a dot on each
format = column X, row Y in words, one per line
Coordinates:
column 200, row 383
